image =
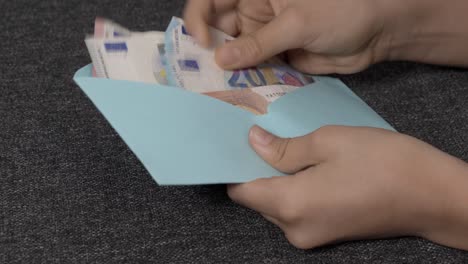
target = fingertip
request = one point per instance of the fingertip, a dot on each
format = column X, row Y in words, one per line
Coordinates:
column 199, row 31
column 251, row 136
column 227, row 57
column 196, row 16
column 234, row 191
column 260, row 136
column 253, row 130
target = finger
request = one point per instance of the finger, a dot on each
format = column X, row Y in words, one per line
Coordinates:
column 227, row 22
column 288, row 155
column 258, row 46
column 198, row 15
column 221, row 6
column 261, row 195
column 274, row 221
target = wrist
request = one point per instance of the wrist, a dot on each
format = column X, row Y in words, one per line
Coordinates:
column 447, row 218
column 427, row 31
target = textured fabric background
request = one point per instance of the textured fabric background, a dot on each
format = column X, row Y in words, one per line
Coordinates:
column 72, row 192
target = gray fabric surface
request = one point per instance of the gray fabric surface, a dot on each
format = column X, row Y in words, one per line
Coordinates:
column 72, row 192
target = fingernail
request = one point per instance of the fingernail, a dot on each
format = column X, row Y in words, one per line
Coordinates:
column 260, row 136
column 228, row 55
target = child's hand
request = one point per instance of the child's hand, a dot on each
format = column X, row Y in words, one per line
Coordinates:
column 357, row 182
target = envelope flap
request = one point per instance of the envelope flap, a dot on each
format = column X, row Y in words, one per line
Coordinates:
column 326, row 102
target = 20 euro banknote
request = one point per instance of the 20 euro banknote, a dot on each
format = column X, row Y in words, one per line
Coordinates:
column 125, row 58
column 118, row 53
column 130, row 66
column 193, row 68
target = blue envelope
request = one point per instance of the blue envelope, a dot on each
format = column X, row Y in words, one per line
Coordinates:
column 185, row 138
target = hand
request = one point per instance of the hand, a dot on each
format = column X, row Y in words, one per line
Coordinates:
column 333, row 36
column 322, row 36
column 357, row 182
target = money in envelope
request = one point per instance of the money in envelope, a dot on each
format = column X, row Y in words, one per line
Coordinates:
column 187, row 120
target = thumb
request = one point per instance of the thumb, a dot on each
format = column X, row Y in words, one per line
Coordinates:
column 256, row 47
column 288, row 155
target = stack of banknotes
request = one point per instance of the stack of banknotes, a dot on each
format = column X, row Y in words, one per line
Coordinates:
column 173, row 58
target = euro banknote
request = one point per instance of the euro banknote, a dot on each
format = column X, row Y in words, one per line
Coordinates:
column 130, row 62
column 129, row 58
column 193, row 68
column 106, row 28
column 174, row 58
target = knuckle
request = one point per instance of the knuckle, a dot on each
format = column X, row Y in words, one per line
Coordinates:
column 281, row 151
column 252, row 48
column 356, row 63
column 327, row 140
column 295, row 17
column 289, row 210
column 297, row 21
column 323, row 135
column 289, row 215
column 233, row 194
column 299, row 239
